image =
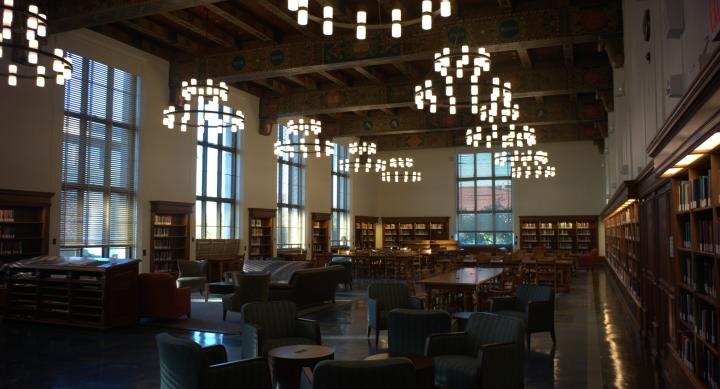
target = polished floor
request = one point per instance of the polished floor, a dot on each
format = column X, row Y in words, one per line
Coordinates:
column 596, row 347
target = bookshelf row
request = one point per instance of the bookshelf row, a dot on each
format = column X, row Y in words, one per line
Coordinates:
column 24, row 218
column 170, row 226
column 397, row 231
column 570, row 233
column 365, row 232
column 622, row 242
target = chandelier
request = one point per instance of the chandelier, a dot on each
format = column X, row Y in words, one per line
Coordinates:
column 400, row 174
column 361, row 26
column 303, row 138
column 526, row 163
column 21, row 33
column 363, row 161
column 513, row 136
column 203, row 101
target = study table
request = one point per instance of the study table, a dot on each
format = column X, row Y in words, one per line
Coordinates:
column 464, row 280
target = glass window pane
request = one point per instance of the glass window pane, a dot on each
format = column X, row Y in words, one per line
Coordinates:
column 93, row 252
column 211, row 187
column 199, row 232
column 484, row 222
column 199, row 172
column 466, row 222
column 466, row 167
column 227, row 215
column 212, row 137
column 483, row 195
column 503, row 222
column 227, row 174
column 485, row 238
column 200, row 134
column 504, row 238
column 211, row 220
column 503, row 198
column 466, row 195
column 483, row 164
column 466, row 237
column 502, row 170
column 228, row 137
column 118, row 252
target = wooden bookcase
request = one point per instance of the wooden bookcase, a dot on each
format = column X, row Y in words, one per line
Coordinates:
column 365, row 232
column 562, row 233
column 400, row 231
column 261, row 233
column 622, row 252
column 84, row 292
column 320, row 234
column 24, row 219
column 170, row 234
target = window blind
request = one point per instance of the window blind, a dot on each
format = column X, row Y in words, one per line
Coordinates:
column 98, row 157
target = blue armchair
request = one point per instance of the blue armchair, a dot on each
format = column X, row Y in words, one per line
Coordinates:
column 383, row 298
column 391, row 373
column 186, row 365
column 271, row 324
column 489, row 354
column 534, row 305
column 408, row 329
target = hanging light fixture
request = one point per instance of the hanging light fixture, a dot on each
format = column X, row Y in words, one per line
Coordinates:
column 526, row 163
column 22, row 30
column 362, row 160
column 201, row 108
column 303, row 139
column 541, row 171
column 399, row 171
column 510, row 136
column 301, row 7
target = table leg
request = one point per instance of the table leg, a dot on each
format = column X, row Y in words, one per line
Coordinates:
column 428, row 297
column 467, row 299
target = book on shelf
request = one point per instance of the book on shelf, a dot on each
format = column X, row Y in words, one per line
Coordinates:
column 686, row 235
column 7, row 232
column 706, row 325
column 11, row 248
column 686, row 307
column 687, row 350
column 693, row 194
column 705, row 235
column 7, row 215
column 529, row 225
column 163, row 220
column 580, row 225
column 57, row 276
column 709, row 368
column 565, row 225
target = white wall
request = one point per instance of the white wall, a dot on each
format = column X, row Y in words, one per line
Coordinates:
column 641, row 102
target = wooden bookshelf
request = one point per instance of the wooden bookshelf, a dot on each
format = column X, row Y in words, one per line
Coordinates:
column 169, row 234
column 24, row 219
column 559, row 233
column 261, row 239
column 320, row 234
column 399, row 232
column 84, row 292
column 365, row 232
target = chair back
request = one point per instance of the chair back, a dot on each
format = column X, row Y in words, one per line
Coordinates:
column 275, row 318
column 192, row 268
column 346, row 263
column 527, row 293
column 182, row 363
column 155, row 290
column 250, row 287
column 389, row 295
column 408, row 329
column 486, row 328
column 391, row 373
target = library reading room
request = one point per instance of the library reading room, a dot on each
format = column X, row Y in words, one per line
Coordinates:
column 360, row 194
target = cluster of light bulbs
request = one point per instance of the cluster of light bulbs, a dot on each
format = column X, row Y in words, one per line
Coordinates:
column 526, row 163
column 303, row 139
column 206, row 97
column 363, row 160
column 514, row 137
column 35, row 27
column 401, row 176
column 452, row 67
column 301, row 7
column 541, row 171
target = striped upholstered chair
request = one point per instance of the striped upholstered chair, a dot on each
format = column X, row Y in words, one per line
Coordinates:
column 383, row 298
column 489, row 354
column 186, row 365
column 271, row 324
column 408, row 329
column 534, row 305
column 391, row 373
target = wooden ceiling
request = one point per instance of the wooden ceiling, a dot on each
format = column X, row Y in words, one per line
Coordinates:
column 558, row 54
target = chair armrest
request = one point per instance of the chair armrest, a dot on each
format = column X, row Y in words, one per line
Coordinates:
column 501, row 365
column 306, row 328
column 450, row 343
column 415, row 303
column 280, row 292
column 215, row 354
column 252, row 373
column 373, row 312
column 251, row 341
column 504, row 304
column 540, row 315
column 306, row 379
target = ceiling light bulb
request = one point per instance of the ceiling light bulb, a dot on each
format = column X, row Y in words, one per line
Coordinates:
column 396, row 19
column 361, row 32
column 445, row 9
column 426, row 21
column 292, row 5
column 302, row 16
column 327, row 20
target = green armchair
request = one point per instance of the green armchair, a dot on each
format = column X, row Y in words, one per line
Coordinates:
column 271, row 324
column 391, row 373
column 346, row 262
column 383, row 298
column 534, row 305
column 193, row 275
column 186, row 365
column 248, row 288
column 408, row 329
column 489, row 354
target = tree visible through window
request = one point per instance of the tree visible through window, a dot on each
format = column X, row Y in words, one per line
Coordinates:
column 484, row 205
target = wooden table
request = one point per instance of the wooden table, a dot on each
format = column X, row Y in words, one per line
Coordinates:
column 463, row 280
column 286, row 363
column 219, row 264
column 424, row 368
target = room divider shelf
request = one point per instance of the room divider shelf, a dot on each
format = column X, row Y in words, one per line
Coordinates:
column 365, row 232
column 565, row 233
column 170, row 232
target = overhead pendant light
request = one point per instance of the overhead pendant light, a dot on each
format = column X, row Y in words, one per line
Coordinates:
column 361, row 26
column 361, row 160
column 399, row 171
column 510, row 136
column 526, row 163
column 22, row 30
column 202, row 108
column 302, row 138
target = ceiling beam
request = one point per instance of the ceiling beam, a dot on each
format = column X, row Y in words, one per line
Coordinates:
column 303, row 81
column 526, row 84
column 341, row 52
column 164, row 34
column 274, row 85
column 134, row 39
column 371, row 74
column 243, row 21
column 336, row 79
column 286, row 17
column 407, row 70
column 72, row 15
column 524, row 56
column 200, row 27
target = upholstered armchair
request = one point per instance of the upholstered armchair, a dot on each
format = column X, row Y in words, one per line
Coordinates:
column 391, row 373
column 383, row 298
column 489, row 354
column 408, row 329
column 193, row 275
column 347, row 276
column 248, row 288
column 159, row 298
column 186, row 365
column 534, row 305
column 271, row 324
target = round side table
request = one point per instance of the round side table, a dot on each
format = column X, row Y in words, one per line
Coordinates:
column 286, row 363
